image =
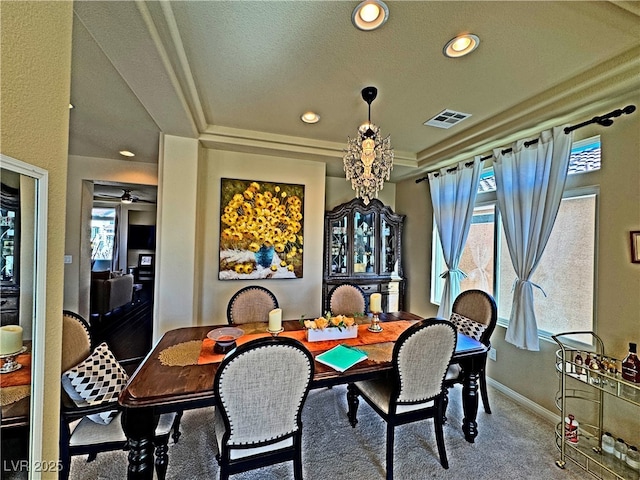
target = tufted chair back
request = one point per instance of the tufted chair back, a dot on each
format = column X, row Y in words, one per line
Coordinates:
column 251, row 304
column 346, row 299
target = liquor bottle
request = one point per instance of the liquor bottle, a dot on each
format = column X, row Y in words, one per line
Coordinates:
column 579, row 362
column 631, row 365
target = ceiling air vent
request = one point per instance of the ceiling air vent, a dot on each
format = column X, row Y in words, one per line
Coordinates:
column 447, row 119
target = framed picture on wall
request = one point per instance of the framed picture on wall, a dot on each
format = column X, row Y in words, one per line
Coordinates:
column 635, row 247
column 145, row 260
column 261, row 230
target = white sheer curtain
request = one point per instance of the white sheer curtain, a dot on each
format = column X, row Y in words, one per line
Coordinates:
column 453, row 195
column 529, row 185
column 115, row 257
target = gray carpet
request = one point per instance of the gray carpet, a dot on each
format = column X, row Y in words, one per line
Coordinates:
column 513, row 443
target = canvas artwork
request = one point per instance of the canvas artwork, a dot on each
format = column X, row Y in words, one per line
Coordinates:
column 261, row 230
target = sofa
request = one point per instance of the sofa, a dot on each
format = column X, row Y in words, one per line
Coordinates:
column 110, row 290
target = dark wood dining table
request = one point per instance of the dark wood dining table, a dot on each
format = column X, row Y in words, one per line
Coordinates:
column 155, row 388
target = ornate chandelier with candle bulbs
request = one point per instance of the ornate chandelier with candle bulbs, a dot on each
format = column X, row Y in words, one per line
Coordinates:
column 368, row 158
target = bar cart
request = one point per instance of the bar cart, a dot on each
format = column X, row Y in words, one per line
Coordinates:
column 581, row 380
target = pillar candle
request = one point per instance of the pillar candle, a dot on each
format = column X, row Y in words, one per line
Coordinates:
column 275, row 319
column 10, row 339
column 375, row 303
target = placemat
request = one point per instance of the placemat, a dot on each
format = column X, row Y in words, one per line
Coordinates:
column 181, row 355
column 391, row 331
column 10, row 395
column 19, row 377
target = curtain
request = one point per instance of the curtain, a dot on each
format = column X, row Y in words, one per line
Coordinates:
column 529, row 185
column 115, row 260
column 453, row 195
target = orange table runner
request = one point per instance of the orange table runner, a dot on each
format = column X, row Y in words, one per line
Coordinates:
column 390, row 333
column 21, row 376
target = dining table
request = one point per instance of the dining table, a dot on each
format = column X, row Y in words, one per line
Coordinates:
column 170, row 379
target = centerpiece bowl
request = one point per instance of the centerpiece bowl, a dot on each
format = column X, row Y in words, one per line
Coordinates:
column 225, row 338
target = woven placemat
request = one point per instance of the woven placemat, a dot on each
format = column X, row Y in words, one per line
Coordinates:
column 379, row 352
column 10, row 395
column 181, row 355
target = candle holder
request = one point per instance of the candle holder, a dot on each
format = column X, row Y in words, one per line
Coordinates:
column 275, row 333
column 10, row 364
column 375, row 323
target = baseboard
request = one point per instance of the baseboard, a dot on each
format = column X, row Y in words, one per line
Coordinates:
column 524, row 401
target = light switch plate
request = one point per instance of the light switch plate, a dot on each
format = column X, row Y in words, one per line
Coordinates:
column 68, row 259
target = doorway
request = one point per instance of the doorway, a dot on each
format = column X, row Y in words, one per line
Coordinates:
column 123, row 235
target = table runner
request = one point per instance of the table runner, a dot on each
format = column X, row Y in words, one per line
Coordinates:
column 19, row 377
column 390, row 333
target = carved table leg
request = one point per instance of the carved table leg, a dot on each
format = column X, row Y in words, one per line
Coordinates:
column 470, row 406
column 139, row 425
column 353, row 402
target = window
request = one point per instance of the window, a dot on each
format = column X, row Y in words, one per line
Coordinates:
column 566, row 270
column 585, row 157
column 102, row 232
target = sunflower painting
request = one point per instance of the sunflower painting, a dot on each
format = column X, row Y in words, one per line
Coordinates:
column 261, row 230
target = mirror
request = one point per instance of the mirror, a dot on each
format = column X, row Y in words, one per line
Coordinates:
column 23, row 229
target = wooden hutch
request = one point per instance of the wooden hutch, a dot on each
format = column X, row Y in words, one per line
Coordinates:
column 363, row 246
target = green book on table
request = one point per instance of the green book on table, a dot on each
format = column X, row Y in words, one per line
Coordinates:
column 341, row 357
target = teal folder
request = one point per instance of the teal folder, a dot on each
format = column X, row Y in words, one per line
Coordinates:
column 341, row 357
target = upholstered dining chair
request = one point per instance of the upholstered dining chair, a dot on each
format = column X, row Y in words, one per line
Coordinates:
column 346, row 299
column 258, row 417
column 251, row 304
column 415, row 389
column 475, row 314
column 90, row 417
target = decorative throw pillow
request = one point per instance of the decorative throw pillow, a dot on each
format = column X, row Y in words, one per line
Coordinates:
column 117, row 273
column 98, row 379
column 468, row 327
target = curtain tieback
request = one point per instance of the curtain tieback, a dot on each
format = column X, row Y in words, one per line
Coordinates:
column 513, row 287
column 451, row 272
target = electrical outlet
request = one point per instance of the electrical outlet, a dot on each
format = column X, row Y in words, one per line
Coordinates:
column 68, row 259
column 492, row 354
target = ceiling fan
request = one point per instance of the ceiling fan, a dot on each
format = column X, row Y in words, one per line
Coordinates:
column 126, row 197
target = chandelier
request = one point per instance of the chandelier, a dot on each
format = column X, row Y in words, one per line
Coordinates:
column 368, row 158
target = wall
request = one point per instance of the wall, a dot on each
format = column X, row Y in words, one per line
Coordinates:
column 82, row 172
column 35, row 38
column 296, row 296
column 338, row 191
column 617, row 302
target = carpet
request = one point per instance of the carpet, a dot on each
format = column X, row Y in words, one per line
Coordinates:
column 513, row 443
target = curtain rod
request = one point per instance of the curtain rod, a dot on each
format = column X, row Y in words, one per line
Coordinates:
column 603, row 120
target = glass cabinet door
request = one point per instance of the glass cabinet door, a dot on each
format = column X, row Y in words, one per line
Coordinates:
column 388, row 248
column 339, row 247
column 364, row 242
column 7, row 237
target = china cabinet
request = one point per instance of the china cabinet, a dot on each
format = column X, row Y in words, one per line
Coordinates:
column 363, row 245
column 589, row 377
column 9, row 255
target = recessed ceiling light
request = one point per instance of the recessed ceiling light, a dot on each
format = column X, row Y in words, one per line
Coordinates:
column 370, row 14
column 461, row 45
column 310, row 117
column 127, row 153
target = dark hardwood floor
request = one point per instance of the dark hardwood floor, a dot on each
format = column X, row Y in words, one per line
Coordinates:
column 127, row 330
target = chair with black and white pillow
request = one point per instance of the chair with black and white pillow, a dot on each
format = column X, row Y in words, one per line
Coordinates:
column 90, row 414
column 474, row 313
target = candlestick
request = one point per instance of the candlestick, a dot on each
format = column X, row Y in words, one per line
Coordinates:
column 375, row 303
column 275, row 320
column 10, row 339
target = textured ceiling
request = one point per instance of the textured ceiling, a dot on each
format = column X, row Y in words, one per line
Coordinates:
column 238, row 74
